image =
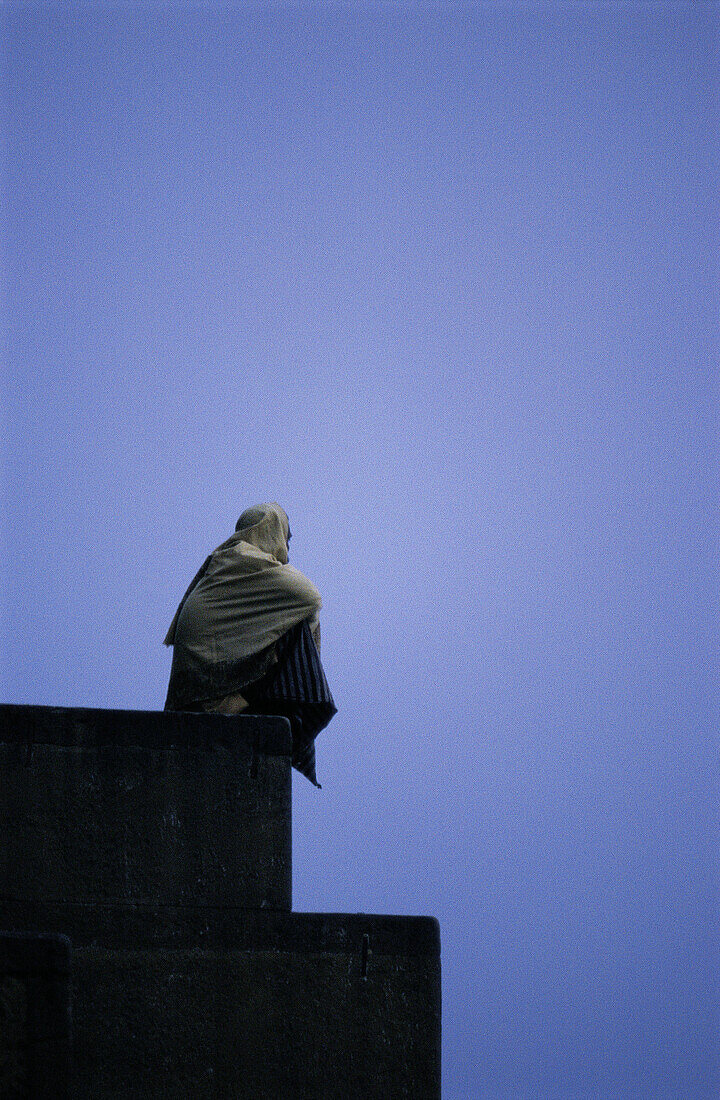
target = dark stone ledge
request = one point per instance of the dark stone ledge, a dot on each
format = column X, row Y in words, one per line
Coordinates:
column 86, row 727
column 145, row 809
column 327, row 1009
column 224, row 928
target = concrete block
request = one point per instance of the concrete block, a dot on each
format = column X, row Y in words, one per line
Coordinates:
column 304, row 1006
column 160, row 844
column 34, row 1017
column 133, row 808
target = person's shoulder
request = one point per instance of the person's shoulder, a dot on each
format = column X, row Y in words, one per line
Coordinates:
column 293, row 581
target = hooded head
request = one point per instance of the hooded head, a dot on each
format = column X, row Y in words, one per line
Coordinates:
column 266, row 526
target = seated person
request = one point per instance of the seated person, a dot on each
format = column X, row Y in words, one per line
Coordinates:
column 246, row 636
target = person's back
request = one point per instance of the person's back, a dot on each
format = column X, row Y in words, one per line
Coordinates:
column 246, row 635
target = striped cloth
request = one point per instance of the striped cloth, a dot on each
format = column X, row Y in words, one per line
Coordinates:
column 296, row 688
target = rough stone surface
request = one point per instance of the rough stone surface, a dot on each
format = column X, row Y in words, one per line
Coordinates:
column 160, row 845
column 127, row 808
column 348, row 1007
column 34, row 1017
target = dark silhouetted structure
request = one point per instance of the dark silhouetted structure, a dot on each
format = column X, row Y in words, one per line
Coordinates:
column 145, row 903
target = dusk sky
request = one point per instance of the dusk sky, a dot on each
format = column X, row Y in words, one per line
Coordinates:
column 440, row 278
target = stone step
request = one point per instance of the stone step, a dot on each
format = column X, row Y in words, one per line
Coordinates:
column 263, row 1006
column 149, row 810
column 155, row 848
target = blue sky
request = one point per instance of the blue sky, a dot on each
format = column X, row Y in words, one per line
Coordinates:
column 441, row 279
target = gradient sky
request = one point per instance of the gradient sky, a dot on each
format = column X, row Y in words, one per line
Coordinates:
column 442, row 280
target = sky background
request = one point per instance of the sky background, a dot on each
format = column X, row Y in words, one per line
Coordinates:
column 442, row 280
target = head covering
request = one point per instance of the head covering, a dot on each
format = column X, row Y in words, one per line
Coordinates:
column 267, row 527
column 245, row 596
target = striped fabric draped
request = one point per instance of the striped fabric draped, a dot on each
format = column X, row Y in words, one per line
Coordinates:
column 297, row 689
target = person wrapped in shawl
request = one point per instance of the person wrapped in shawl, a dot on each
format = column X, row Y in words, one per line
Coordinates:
column 246, row 636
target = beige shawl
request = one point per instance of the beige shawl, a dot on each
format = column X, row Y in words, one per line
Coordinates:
column 246, row 595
